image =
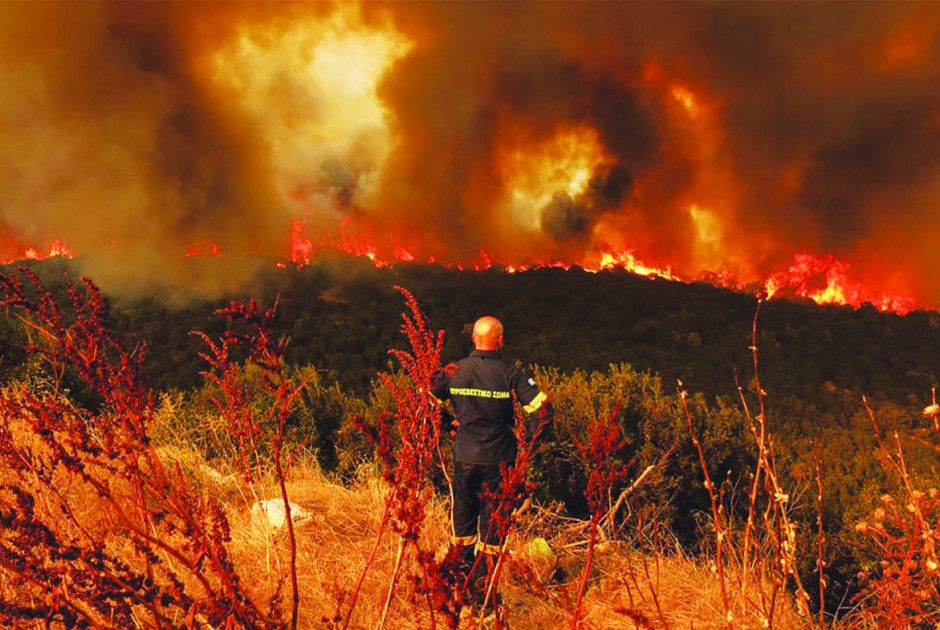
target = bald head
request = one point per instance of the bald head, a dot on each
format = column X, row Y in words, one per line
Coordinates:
column 488, row 334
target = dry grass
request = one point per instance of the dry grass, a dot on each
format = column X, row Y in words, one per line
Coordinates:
column 538, row 590
column 333, row 543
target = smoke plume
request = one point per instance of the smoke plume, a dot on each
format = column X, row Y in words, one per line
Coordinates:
column 701, row 136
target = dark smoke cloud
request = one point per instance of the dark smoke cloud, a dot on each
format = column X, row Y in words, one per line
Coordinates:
column 841, row 96
column 343, row 182
column 566, row 218
column 827, row 114
column 462, row 95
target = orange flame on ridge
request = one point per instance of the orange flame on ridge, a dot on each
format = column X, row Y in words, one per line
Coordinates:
column 56, row 249
column 821, row 278
column 825, row 280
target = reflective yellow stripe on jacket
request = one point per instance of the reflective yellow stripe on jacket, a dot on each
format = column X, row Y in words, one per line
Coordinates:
column 535, row 404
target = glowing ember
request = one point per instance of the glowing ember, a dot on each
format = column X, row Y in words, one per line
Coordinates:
column 203, row 249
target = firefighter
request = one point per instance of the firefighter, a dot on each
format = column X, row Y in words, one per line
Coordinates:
column 481, row 390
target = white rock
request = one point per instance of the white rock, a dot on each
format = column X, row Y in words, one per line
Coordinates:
column 214, row 475
column 270, row 514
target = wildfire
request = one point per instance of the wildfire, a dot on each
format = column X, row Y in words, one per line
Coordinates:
column 688, row 100
column 203, row 249
column 825, row 280
column 821, row 278
column 55, row 249
column 400, row 132
column 627, row 261
column 303, row 250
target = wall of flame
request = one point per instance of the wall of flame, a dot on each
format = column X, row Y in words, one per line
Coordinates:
column 791, row 145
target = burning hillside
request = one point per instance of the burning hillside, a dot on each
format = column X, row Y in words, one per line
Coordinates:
column 788, row 147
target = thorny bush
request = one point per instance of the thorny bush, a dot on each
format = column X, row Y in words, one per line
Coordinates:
column 96, row 529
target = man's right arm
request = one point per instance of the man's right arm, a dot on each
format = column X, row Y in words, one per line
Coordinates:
column 440, row 391
column 440, row 386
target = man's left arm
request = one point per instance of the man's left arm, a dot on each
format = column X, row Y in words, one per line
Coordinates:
column 539, row 404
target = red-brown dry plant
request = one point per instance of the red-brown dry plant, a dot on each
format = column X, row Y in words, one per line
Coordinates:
column 248, row 425
column 604, row 440
column 407, row 443
column 96, row 531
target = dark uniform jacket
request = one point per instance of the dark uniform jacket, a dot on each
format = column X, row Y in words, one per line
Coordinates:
column 482, row 391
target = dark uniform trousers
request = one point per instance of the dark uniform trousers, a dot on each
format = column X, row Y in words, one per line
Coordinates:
column 473, row 512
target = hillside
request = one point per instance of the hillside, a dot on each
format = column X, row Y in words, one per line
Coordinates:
column 343, row 315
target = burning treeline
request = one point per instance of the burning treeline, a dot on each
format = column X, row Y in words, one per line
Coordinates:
column 796, row 146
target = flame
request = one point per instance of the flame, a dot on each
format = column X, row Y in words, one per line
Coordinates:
column 712, row 198
column 56, row 249
column 311, row 87
column 627, row 261
column 309, row 83
column 303, row 249
column 821, row 278
column 207, row 248
column 688, row 100
column 826, row 280
column 536, row 172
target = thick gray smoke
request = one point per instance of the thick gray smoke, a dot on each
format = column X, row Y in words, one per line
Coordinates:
column 568, row 218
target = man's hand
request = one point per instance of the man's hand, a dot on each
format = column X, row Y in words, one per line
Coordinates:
column 546, row 415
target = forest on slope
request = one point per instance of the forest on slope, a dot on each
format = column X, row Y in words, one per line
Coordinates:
column 343, row 316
